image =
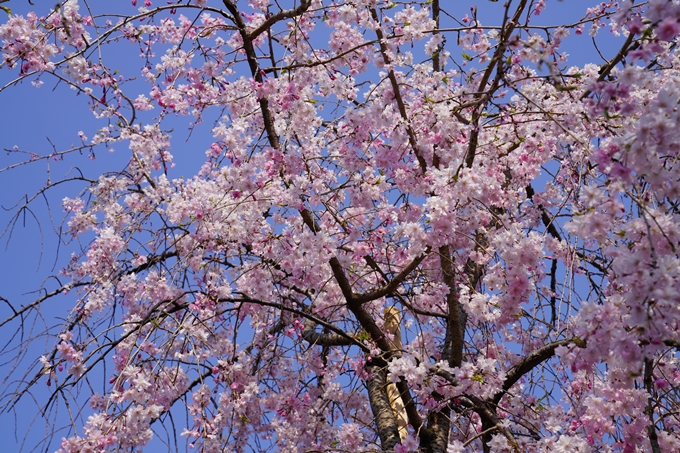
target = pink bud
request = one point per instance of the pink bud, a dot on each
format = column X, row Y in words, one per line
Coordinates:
column 661, row 383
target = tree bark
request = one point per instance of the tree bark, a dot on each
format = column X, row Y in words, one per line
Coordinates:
column 393, row 327
column 385, row 421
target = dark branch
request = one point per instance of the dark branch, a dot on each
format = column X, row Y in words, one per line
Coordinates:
column 527, row 364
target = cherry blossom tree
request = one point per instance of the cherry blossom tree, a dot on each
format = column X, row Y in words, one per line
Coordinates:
column 414, row 229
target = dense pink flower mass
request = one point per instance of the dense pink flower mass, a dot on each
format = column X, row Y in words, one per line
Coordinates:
column 519, row 213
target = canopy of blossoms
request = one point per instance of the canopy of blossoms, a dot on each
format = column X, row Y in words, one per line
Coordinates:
column 414, row 229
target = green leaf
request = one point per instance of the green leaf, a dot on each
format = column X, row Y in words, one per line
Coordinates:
column 362, row 335
column 7, row 10
column 466, row 57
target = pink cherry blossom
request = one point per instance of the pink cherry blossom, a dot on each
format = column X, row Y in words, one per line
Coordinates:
column 668, row 29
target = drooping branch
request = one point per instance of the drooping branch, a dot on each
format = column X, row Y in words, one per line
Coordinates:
column 491, row 423
column 313, row 319
column 413, row 142
column 274, row 18
column 419, row 311
column 395, row 282
column 485, row 93
column 606, row 69
column 549, row 224
column 313, row 337
column 527, row 364
column 21, row 311
column 545, row 218
column 251, row 55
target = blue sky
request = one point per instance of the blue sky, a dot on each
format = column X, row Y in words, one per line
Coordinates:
column 38, row 119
